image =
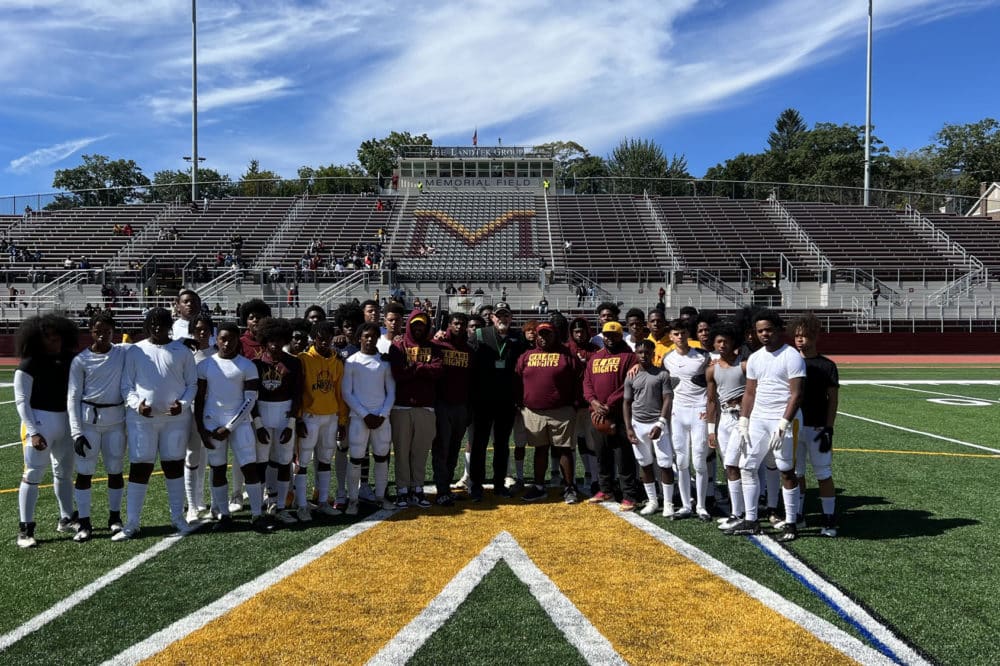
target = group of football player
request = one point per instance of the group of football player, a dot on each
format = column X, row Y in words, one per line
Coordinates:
column 254, row 408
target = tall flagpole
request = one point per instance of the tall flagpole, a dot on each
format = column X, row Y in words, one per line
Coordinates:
column 194, row 101
column 868, row 112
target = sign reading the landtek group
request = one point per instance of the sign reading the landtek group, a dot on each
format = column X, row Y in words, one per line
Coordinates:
column 474, row 151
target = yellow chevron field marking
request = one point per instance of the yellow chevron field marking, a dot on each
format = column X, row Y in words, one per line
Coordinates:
column 650, row 602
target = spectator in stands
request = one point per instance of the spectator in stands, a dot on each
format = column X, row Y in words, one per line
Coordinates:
column 275, row 274
column 463, row 290
column 543, row 306
column 661, row 296
column 567, row 246
column 450, row 289
column 13, row 295
column 293, row 295
column 217, row 310
column 117, row 229
column 876, row 292
column 68, row 263
column 429, row 307
column 128, row 229
column 478, row 292
column 237, row 242
column 581, row 294
column 379, row 206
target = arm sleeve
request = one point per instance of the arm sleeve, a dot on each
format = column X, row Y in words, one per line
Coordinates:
column 588, row 384
column 23, row 383
column 390, row 394
column 73, row 397
column 191, row 381
column 129, row 394
column 347, row 390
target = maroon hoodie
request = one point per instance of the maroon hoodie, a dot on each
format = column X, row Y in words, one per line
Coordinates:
column 456, row 378
column 547, row 379
column 416, row 366
column 604, row 378
column 582, row 352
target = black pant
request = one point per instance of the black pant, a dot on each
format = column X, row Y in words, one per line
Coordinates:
column 452, row 421
column 497, row 418
column 606, row 446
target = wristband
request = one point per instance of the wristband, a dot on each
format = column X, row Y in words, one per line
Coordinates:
column 744, row 423
column 783, row 425
column 257, row 423
column 291, row 423
column 711, row 428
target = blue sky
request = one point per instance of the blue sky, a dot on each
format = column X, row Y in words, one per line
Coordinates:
column 304, row 82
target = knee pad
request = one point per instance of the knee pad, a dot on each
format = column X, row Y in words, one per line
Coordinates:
column 33, row 475
column 381, row 459
column 322, row 466
column 823, row 472
column 357, row 461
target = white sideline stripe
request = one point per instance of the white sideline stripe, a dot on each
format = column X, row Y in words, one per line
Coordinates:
column 198, row 619
column 578, row 630
column 947, row 395
column 906, row 653
column 817, row 626
column 8, row 402
column 10, row 444
column 84, row 593
column 921, row 382
column 920, row 432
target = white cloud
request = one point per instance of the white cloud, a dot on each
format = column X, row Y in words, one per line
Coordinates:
column 51, row 154
column 256, row 91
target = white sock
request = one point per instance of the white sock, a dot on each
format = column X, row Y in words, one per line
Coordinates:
column 271, row 480
column 736, row 497
column 791, row 497
column 468, row 463
column 82, row 502
column 323, row 485
column 300, row 490
column 191, row 487
column 136, row 493
column 700, row 488
column 220, row 498
column 340, row 462
column 27, row 498
column 829, row 505
column 256, row 494
column 175, row 496
column 353, row 481
column 236, row 487
column 651, row 492
column 381, row 478
column 684, row 486
column 281, row 488
column 64, row 495
column 668, row 494
column 751, row 493
column 115, row 499
column 773, row 478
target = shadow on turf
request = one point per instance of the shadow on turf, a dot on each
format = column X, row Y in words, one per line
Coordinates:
column 882, row 524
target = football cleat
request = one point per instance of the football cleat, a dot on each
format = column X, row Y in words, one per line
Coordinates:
column 570, row 495
column 534, row 493
column 183, row 527
column 829, row 528
column 774, row 518
column 224, row 524
column 26, row 535
column 402, row 501
column 418, row 499
column 704, row 516
column 800, row 523
column 789, row 533
column 192, row 515
column 728, row 523
column 668, row 510
column 682, row 513
column 86, row 531
column 744, row 528
column 652, row 506
column 126, row 534
column 235, row 506
column 304, row 514
column 327, row 509
column 445, row 499
column 386, row 504
column 352, row 508
column 462, row 484
column 115, row 522
column 68, row 525
column 262, row 525
column 366, row 494
column 285, row 516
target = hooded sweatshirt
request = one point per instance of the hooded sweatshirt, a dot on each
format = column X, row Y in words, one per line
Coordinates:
column 582, row 352
column 548, row 379
column 456, row 378
column 604, row 378
column 416, row 366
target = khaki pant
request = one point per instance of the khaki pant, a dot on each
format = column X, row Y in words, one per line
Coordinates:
column 413, row 433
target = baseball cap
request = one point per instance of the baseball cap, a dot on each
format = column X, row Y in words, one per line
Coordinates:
column 612, row 327
column 501, row 308
column 544, row 326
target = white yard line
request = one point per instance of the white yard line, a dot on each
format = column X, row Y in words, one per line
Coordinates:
column 817, row 626
column 198, row 619
column 921, row 382
column 578, row 630
column 920, row 432
column 841, row 603
column 947, row 395
column 81, row 595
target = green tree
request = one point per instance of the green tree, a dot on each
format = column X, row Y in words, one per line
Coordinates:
column 99, row 182
column 378, row 156
column 788, row 131
column 640, row 164
column 575, row 167
column 257, row 182
column 335, row 179
column 968, row 155
column 169, row 185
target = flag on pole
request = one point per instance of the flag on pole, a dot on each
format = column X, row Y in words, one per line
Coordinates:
column 475, row 137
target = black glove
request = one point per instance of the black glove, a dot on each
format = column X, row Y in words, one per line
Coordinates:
column 80, row 444
column 825, row 439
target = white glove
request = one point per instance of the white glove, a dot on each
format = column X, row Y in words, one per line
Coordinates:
column 743, row 427
column 778, row 436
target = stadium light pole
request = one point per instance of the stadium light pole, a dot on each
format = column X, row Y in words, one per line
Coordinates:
column 868, row 112
column 194, row 100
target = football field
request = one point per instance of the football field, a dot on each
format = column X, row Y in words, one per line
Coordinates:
column 911, row 577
